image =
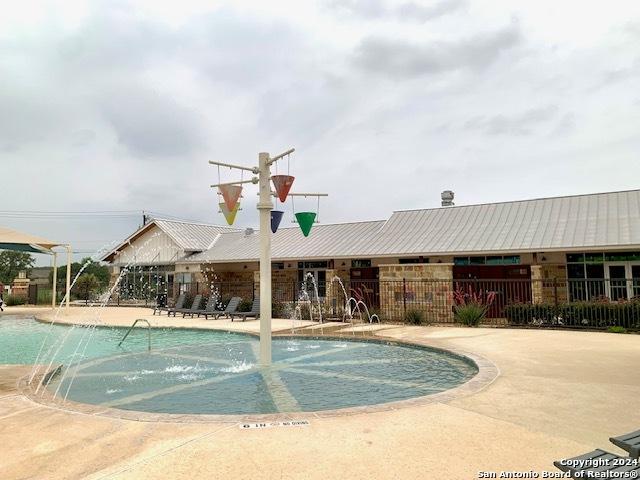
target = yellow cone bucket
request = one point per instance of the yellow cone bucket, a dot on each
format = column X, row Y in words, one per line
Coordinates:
column 229, row 215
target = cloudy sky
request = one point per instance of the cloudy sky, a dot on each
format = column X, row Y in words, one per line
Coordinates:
column 118, row 106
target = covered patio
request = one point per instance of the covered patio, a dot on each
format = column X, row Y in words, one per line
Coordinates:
column 25, row 242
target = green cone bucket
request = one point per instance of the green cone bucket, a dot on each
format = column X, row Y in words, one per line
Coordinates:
column 305, row 220
column 282, row 184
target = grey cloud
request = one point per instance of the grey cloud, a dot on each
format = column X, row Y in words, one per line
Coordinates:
column 150, row 124
column 422, row 13
column 100, row 72
column 358, row 8
column 613, row 77
column 146, row 102
column 399, row 58
column 566, row 124
column 407, row 11
column 520, row 124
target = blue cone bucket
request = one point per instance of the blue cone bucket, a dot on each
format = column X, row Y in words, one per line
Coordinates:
column 276, row 218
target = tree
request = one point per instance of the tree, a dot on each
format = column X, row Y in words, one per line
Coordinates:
column 13, row 262
column 101, row 272
column 86, row 285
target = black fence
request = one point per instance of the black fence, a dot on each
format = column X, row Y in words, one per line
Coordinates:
column 592, row 303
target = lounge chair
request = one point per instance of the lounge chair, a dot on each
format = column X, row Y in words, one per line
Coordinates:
column 196, row 303
column 231, row 307
column 254, row 312
column 597, row 464
column 161, row 304
column 629, row 443
column 179, row 304
column 195, row 307
column 209, row 308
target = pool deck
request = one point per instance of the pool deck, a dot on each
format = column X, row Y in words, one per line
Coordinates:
column 558, row 394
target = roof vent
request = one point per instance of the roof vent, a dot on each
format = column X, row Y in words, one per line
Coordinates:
column 447, row 198
column 249, row 231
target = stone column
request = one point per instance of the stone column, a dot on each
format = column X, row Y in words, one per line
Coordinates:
column 537, row 284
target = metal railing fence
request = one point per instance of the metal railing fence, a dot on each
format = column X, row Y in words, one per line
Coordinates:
column 588, row 303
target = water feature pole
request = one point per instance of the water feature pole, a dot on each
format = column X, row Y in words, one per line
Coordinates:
column 264, row 207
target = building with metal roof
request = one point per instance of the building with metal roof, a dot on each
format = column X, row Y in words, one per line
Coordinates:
column 571, row 237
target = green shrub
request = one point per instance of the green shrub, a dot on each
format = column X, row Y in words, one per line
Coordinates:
column 376, row 311
column 14, row 300
column 414, row 317
column 617, row 330
column 525, row 314
column 596, row 314
column 224, row 301
column 469, row 314
column 305, row 311
column 278, row 309
column 245, row 305
column 44, row 296
column 188, row 299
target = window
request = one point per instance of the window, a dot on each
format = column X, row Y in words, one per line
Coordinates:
column 360, row 263
column 406, row 261
column 305, row 265
column 182, row 278
column 575, row 258
column 593, row 257
column 622, row 257
column 611, row 274
column 277, row 266
column 493, row 261
column 488, row 260
column 511, row 260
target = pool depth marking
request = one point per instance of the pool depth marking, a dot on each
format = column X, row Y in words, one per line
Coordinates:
column 289, row 423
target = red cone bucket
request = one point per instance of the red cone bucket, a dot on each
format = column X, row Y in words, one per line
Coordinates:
column 305, row 220
column 230, row 194
column 276, row 218
column 229, row 215
column 282, row 183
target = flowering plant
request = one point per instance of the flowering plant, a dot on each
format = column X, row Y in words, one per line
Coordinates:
column 471, row 307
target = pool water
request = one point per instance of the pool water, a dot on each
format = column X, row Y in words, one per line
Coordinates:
column 208, row 372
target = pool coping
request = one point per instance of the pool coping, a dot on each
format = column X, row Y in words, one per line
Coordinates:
column 487, row 374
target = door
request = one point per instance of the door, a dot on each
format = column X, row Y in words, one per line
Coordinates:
column 365, row 285
column 622, row 280
column 319, row 277
column 617, row 275
column 635, row 280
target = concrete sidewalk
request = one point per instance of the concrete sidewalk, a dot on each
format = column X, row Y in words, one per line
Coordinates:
column 560, row 393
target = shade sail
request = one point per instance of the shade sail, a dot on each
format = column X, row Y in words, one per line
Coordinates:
column 24, row 242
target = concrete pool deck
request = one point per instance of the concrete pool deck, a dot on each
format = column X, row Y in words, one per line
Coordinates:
column 559, row 394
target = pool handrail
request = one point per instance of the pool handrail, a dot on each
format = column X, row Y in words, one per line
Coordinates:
column 131, row 328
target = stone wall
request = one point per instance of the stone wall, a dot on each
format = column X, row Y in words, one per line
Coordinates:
column 283, row 284
column 549, row 281
column 434, row 296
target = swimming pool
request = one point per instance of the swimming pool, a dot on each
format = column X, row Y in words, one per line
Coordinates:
column 209, row 372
